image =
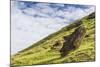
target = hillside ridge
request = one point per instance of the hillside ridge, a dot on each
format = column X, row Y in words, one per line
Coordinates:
column 73, row 43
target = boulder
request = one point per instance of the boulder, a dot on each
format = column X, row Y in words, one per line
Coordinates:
column 73, row 41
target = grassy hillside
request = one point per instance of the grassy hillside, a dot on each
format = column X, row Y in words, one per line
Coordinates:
column 46, row 52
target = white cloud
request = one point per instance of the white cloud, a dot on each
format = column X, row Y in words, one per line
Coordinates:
column 40, row 21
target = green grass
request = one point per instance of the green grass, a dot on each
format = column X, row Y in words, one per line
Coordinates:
column 43, row 53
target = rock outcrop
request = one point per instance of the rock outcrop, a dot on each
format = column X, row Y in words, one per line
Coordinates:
column 73, row 41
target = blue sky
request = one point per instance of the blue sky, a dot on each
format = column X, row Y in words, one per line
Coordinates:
column 32, row 21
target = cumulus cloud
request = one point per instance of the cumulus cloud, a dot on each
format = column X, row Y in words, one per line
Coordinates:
column 32, row 21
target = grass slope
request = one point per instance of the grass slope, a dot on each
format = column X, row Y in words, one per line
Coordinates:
column 43, row 52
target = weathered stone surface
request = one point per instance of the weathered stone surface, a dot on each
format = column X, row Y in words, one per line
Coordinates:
column 73, row 41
